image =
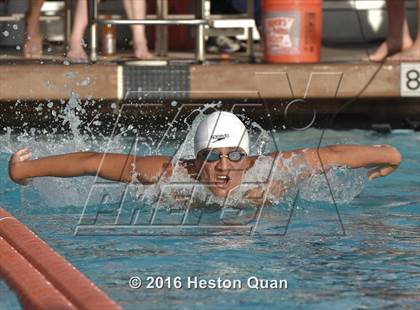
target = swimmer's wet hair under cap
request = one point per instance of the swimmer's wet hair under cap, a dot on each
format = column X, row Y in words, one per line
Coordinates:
column 221, row 129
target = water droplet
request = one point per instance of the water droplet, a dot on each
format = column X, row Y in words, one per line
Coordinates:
column 5, row 33
column 15, row 27
column 18, row 47
column 174, row 103
column 71, row 75
column 84, row 82
column 66, row 62
column 50, row 104
column 105, row 199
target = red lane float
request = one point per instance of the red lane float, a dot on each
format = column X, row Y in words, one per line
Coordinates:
column 41, row 278
column 34, row 290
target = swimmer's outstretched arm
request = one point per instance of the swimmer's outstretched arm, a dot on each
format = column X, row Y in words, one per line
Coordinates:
column 115, row 167
column 383, row 159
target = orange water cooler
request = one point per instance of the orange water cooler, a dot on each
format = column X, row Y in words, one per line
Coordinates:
column 292, row 30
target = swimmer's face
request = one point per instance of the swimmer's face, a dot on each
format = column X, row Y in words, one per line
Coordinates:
column 221, row 169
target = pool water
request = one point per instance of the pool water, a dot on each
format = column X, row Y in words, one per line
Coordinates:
column 8, row 298
column 369, row 260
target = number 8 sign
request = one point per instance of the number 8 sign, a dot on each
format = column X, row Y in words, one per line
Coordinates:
column 410, row 79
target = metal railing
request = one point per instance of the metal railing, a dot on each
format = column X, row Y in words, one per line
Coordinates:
column 164, row 20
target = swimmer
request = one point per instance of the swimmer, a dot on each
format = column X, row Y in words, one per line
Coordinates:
column 222, row 156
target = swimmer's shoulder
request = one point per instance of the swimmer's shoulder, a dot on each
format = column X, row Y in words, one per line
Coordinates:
column 280, row 157
column 288, row 154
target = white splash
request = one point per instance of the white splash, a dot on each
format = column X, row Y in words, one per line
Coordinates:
column 284, row 174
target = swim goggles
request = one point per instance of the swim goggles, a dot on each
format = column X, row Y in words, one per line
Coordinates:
column 213, row 155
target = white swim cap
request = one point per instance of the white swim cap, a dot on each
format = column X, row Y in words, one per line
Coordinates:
column 221, row 129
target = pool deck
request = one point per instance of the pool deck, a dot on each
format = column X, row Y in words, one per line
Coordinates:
column 110, row 81
column 340, row 74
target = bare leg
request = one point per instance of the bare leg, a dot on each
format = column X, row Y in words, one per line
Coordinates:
column 411, row 53
column 136, row 9
column 76, row 44
column 398, row 37
column 32, row 47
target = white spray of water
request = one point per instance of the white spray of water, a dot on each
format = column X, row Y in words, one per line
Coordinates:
column 345, row 183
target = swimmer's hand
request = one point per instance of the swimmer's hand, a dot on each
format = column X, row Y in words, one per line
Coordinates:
column 15, row 166
column 393, row 159
column 381, row 171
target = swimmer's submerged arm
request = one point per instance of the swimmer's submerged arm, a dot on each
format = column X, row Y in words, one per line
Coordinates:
column 384, row 158
column 115, row 167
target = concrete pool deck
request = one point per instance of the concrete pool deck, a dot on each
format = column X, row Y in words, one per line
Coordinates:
column 340, row 74
column 381, row 88
column 110, row 81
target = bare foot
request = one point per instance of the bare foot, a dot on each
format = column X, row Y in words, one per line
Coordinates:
column 32, row 48
column 15, row 166
column 410, row 54
column 76, row 53
column 142, row 52
column 389, row 47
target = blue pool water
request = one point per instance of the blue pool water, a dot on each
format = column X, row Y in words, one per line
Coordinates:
column 375, row 264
